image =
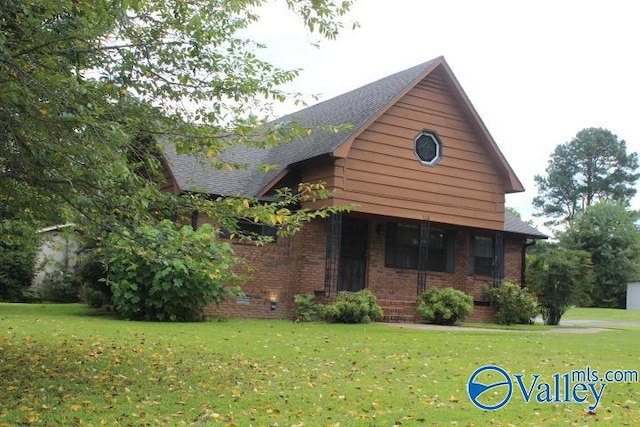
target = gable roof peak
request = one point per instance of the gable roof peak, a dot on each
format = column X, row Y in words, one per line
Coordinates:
column 357, row 108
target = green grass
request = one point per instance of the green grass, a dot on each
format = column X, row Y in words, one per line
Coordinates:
column 606, row 314
column 62, row 366
column 539, row 327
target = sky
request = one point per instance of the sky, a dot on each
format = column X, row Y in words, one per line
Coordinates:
column 537, row 72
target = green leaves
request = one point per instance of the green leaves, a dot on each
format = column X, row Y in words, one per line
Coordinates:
column 84, row 84
column 19, row 245
column 560, row 278
column 444, row 306
column 353, row 307
column 168, row 271
column 593, row 167
column 515, row 303
column 610, row 234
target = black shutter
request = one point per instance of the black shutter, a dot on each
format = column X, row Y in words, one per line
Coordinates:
column 498, row 258
column 450, row 248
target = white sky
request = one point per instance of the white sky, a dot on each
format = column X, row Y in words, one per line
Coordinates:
column 537, row 72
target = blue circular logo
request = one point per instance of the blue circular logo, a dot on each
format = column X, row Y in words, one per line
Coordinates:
column 486, row 378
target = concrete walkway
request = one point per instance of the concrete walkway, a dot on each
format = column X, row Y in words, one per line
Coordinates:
column 596, row 323
column 430, row 327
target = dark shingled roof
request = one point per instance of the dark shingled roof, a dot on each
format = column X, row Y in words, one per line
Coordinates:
column 513, row 224
column 354, row 108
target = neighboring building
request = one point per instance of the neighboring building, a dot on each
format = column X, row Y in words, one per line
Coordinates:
column 429, row 182
column 633, row 296
column 59, row 252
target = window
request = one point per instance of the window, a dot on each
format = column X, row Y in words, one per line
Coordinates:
column 403, row 247
column 482, row 254
column 250, row 229
column 403, row 242
column 428, row 147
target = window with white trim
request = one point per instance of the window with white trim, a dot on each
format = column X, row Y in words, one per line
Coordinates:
column 428, row 147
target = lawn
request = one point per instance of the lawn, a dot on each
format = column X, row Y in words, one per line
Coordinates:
column 603, row 314
column 62, row 366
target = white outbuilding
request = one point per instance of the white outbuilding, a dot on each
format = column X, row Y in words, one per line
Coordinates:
column 633, row 296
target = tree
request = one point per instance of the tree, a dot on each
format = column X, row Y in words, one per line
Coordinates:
column 513, row 211
column 592, row 167
column 610, row 234
column 87, row 89
column 83, row 83
column 19, row 246
column 559, row 277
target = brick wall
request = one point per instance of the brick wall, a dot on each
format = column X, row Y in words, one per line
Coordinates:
column 278, row 272
column 269, row 278
column 297, row 266
column 397, row 283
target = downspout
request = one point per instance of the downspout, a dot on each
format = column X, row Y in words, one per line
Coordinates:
column 523, row 261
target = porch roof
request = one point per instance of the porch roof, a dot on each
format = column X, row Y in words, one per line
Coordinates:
column 513, row 224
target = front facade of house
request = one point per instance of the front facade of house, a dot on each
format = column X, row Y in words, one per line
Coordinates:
column 429, row 184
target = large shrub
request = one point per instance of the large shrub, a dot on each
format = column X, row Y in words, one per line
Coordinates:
column 95, row 290
column 515, row 303
column 560, row 278
column 444, row 306
column 169, row 272
column 353, row 307
column 19, row 247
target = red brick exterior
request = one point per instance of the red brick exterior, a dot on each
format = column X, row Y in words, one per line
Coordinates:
column 296, row 265
column 279, row 271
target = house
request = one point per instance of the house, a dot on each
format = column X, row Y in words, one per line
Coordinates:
column 429, row 182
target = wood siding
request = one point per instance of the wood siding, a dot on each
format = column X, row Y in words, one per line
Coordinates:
column 382, row 174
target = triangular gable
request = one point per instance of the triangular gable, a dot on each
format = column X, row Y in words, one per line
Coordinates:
column 359, row 108
column 512, row 184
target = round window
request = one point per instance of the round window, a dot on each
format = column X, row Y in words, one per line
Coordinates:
column 428, row 148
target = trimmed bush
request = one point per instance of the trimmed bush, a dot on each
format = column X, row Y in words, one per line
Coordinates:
column 353, row 307
column 444, row 306
column 306, row 308
column 515, row 303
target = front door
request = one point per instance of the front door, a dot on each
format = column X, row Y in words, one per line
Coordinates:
column 353, row 255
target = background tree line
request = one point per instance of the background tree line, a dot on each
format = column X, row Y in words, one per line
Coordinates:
column 585, row 195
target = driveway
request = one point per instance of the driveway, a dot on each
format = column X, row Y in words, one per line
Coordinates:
column 596, row 323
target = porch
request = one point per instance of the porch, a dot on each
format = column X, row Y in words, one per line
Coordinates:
column 397, row 259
